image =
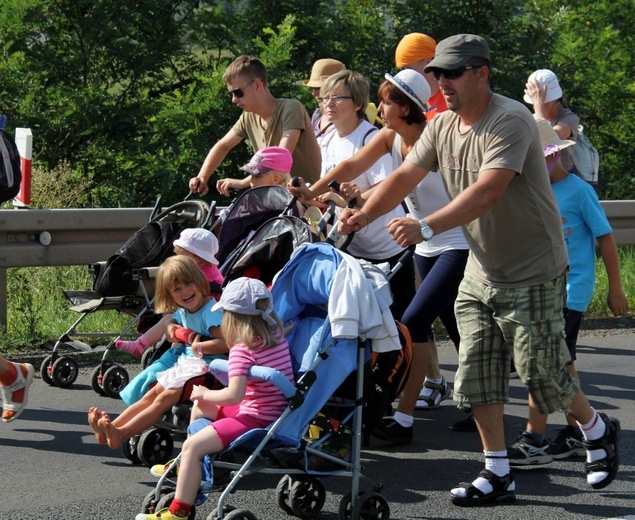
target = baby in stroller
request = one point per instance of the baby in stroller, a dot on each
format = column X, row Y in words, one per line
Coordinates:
column 268, row 166
column 201, row 245
column 182, row 288
column 255, row 336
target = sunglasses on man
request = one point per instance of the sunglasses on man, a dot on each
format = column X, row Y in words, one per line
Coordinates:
column 454, row 73
column 240, row 92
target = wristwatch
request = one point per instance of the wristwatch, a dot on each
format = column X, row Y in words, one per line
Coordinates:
column 426, row 230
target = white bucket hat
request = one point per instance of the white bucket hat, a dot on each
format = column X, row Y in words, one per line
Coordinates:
column 545, row 77
column 199, row 242
column 413, row 85
column 240, row 296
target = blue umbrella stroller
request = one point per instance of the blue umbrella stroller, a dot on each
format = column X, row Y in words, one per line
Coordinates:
column 325, row 350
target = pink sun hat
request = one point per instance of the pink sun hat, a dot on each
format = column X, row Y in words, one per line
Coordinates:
column 267, row 159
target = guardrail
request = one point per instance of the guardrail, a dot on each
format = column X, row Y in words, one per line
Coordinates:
column 42, row 237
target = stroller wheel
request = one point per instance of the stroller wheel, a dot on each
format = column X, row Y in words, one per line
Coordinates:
column 165, row 502
column 149, row 504
column 282, row 494
column 155, row 446
column 307, row 497
column 146, row 357
column 345, row 511
column 371, row 505
column 129, row 449
column 64, row 372
column 46, row 369
column 95, row 381
column 114, row 381
column 240, row 514
column 214, row 514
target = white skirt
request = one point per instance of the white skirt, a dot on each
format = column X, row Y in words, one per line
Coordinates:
column 186, row 368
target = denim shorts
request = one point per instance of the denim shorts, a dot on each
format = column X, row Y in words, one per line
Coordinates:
column 525, row 324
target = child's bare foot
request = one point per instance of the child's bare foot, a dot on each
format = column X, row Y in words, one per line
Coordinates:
column 114, row 438
column 93, row 417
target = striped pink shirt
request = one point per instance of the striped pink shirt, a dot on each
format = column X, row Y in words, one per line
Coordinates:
column 262, row 398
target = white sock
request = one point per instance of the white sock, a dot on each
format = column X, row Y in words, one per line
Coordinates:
column 497, row 462
column 403, row 420
column 593, row 430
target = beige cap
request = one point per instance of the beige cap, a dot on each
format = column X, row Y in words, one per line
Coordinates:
column 321, row 70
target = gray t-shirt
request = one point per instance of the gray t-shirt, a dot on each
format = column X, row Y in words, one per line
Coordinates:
column 566, row 117
column 519, row 241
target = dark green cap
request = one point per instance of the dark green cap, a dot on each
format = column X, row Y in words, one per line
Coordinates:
column 457, row 50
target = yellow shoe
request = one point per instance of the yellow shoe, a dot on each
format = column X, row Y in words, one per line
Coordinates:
column 164, row 514
column 158, row 470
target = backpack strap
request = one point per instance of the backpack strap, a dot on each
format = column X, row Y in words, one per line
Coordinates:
column 370, row 131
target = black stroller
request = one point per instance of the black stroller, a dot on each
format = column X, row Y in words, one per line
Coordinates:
column 125, row 284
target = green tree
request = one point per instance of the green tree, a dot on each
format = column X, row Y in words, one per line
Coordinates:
column 130, row 96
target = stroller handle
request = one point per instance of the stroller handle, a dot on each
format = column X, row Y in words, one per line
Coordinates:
column 335, row 237
column 405, row 256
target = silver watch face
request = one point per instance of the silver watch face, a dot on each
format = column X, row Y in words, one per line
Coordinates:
column 426, row 232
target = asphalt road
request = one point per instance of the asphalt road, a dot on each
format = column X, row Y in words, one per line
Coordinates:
column 52, row 467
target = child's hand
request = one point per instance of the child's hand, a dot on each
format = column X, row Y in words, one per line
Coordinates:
column 196, row 346
column 198, row 392
column 184, row 335
column 617, row 302
column 288, row 328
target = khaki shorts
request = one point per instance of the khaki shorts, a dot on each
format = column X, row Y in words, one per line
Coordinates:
column 526, row 324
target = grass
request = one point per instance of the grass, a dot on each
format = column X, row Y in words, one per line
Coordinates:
column 38, row 311
column 598, row 307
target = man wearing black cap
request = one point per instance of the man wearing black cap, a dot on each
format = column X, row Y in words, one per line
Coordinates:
column 510, row 303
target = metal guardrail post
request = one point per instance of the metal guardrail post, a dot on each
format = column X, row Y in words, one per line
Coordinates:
column 39, row 237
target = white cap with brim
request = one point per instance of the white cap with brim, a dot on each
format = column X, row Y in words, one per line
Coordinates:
column 200, row 242
column 240, row 296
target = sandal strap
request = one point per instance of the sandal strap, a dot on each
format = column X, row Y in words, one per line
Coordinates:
column 608, row 440
column 604, row 464
column 438, row 389
column 18, row 384
column 499, row 484
column 435, row 386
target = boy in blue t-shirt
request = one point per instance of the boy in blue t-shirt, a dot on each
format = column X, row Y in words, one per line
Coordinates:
column 584, row 222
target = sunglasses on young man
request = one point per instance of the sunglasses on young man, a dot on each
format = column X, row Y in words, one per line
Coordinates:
column 454, row 73
column 240, row 92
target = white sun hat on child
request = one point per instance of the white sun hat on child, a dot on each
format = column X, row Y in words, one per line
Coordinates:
column 200, row 242
column 240, row 296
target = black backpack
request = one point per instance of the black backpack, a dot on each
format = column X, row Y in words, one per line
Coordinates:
column 148, row 247
column 10, row 170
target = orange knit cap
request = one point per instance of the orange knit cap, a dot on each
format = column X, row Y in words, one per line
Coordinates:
column 414, row 47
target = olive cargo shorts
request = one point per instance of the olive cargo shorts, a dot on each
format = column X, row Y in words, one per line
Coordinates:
column 525, row 324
